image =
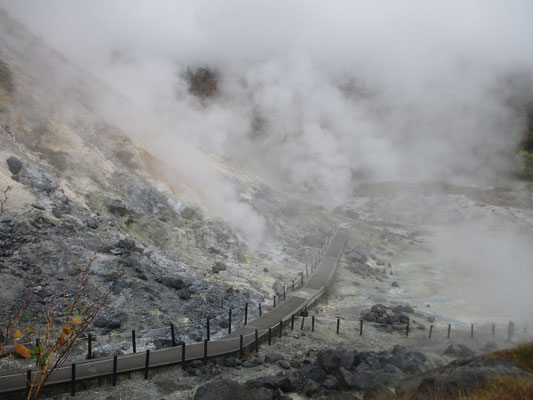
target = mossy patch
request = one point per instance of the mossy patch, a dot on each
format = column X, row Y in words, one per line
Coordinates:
column 6, row 78
column 521, row 356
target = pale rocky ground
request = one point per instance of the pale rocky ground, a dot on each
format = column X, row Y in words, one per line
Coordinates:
column 414, row 267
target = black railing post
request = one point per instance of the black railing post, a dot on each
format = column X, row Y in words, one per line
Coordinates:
column 449, row 330
column 302, row 325
column 28, row 383
column 292, row 322
column 284, row 293
column 205, row 351
column 73, row 380
column 260, row 313
column 361, row 328
column 407, row 330
column 256, row 341
column 172, row 335
column 430, row 331
column 510, row 332
column 274, row 301
column 133, row 341
column 89, row 346
column 338, row 325
column 245, row 313
column 313, row 323
column 241, row 347
column 229, row 326
column 115, row 366
column 146, row 364
column 208, row 327
column 183, row 355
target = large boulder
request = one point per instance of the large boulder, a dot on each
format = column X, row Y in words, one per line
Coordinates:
column 14, row 165
column 458, row 351
column 358, row 380
column 283, row 382
column 172, row 282
column 225, row 389
column 330, row 360
column 385, row 315
column 117, row 207
column 356, row 256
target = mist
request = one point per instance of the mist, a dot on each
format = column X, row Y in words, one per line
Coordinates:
column 315, row 96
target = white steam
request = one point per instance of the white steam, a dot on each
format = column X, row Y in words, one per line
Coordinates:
column 344, row 90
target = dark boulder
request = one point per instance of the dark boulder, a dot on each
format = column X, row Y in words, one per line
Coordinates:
column 405, row 308
column 219, row 266
column 231, row 362
column 311, row 371
column 358, row 380
column 458, row 351
column 357, row 257
column 14, row 165
column 273, row 382
column 172, row 282
column 273, row 357
column 109, row 322
column 117, row 207
column 127, row 244
column 330, row 360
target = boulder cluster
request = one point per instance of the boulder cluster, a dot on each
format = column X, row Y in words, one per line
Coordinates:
column 333, row 370
column 382, row 314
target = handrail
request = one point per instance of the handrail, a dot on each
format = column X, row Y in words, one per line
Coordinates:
column 306, row 295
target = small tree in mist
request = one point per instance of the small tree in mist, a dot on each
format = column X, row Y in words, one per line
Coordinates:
column 53, row 337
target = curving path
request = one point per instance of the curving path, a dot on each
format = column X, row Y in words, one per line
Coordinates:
column 309, row 293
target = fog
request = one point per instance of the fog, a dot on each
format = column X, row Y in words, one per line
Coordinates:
column 410, row 91
column 320, row 95
column 488, row 268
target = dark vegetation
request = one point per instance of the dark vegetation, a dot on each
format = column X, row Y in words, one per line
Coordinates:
column 203, row 82
column 6, row 78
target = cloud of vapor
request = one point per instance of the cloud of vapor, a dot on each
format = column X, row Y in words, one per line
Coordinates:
column 489, row 267
column 315, row 94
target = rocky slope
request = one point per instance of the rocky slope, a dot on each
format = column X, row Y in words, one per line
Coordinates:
column 80, row 187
